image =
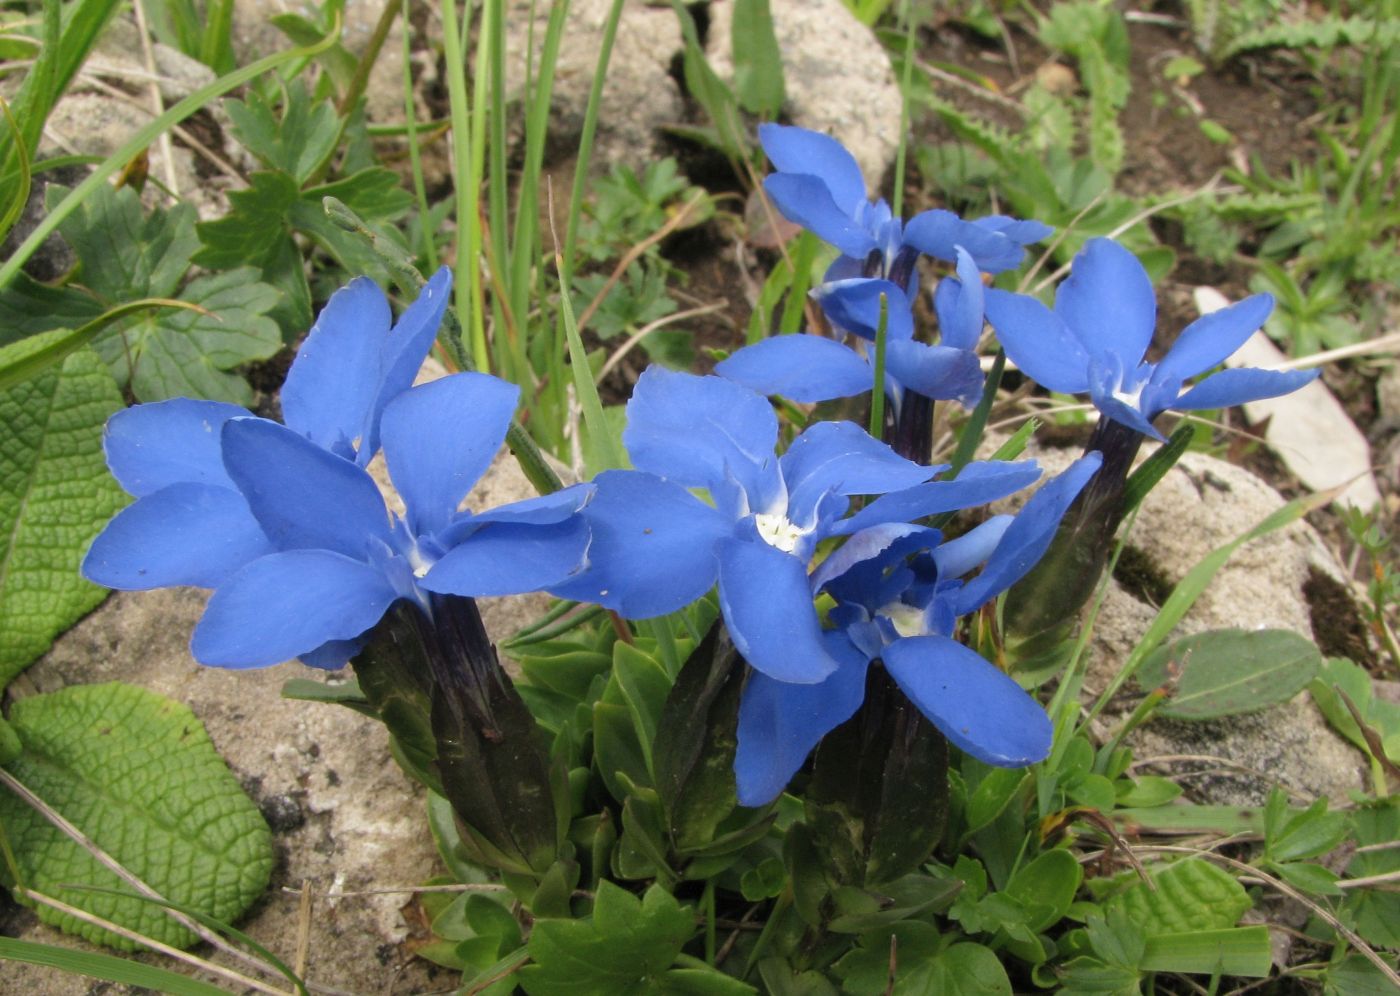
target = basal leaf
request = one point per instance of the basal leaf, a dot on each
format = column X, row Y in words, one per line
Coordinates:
column 1226, row 672
column 922, row 969
column 55, row 494
column 137, row 773
column 625, row 947
column 758, row 64
column 171, row 353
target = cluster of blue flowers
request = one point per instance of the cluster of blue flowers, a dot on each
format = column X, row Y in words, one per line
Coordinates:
column 285, row 523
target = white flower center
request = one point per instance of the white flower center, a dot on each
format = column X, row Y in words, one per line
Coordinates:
column 778, row 531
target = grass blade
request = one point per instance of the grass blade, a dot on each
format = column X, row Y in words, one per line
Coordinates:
column 108, row 968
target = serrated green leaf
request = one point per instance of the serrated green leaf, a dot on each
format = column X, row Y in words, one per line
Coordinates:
column 170, row 353
column 1191, row 895
column 28, row 307
column 255, row 226
column 297, row 141
column 374, row 194
column 55, row 494
column 1225, row 672
column 624, row 948
column 137, row 773
column 125, row 253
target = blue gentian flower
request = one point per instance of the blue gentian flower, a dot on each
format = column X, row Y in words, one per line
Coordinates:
column 657, row 547
column 819, row 186
column 899, row 593
column 286, row 524
column 1095, row 339
column 810, row 368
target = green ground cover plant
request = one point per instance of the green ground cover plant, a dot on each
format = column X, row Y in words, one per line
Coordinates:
column 805, row 716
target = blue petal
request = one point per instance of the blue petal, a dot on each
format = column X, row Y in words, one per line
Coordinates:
column 1039, row 342
column 288, row 604
column 977, row 484
column 185, row 534
column 303, row 496
column 541, row 511
column 440, row 438
column 1020, row 232
column 1211, row 338
column 960, row 304
column 978, row 708
column 939, row 233
column 805, row 200
column 799, row 150
column 353, row 364
column 854, row 306
column 653, row 546
column 403, row 352
column 168, row 442
column 802, row 368
column 959, row 556
column 882, row 542
column 842, row 457
column 699, row 431
column 1108, row 302
column 939, row 372
column 333, row 382
column 333, row 655
column 511, row 558
column 780, row 722
column 1025, row 540
column 1235, row 387
column 767, row 605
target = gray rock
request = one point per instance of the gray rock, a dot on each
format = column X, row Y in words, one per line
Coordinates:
column 1199, row 506
column 254, row 36
column 639, row 95
column 119, row 57
column 837, row 76
column 97, row 124
column 345, row 817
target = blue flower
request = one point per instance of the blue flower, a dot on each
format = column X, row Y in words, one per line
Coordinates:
column 1095, row 339
column 899, row 593
column 819, row 186
column 656, row 546
column 810, row 368
column 285, row 522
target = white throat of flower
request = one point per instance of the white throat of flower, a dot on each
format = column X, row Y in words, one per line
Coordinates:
column 777, row 530
column 1133, row 398
column 908, row 620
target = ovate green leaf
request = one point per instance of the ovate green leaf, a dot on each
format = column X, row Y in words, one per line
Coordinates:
column 1190, row 895
column 55, row 494
column 1225, row 672
column 137, row 774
